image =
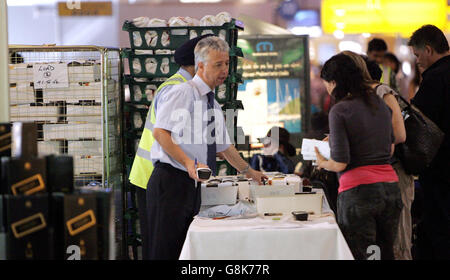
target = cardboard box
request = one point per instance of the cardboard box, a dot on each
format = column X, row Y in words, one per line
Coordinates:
column 286, row 204
column 28, row 234
column 88, row 165
column 83, row 148
column 75, row 93
column 34, row 112
column 75, row 221
column 21, row 93
column 23, row 176
column 83, row 113
column 92, row 131
column 49, row 147
column 84, row 73
column 20, row 73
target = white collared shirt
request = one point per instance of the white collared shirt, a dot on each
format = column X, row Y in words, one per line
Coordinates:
column 183, row 111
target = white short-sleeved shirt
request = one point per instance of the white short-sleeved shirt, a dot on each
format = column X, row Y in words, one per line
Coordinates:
column 182, row 110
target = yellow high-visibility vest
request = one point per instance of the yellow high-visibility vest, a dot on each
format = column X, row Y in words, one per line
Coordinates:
column 142, row 167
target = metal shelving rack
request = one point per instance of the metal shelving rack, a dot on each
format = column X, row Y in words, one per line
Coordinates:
column 81, row 118
column 149, row 62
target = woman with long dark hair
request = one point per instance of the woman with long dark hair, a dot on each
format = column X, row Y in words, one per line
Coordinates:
column 361, row 142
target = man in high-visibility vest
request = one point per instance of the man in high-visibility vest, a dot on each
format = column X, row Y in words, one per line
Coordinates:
column 142, row 166
column 376, row 50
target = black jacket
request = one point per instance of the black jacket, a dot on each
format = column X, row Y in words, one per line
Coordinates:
column 433, row 99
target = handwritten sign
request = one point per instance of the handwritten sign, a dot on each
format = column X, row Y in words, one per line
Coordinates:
column 50, row 75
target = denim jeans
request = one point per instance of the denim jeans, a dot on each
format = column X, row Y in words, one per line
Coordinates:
column 369, row 215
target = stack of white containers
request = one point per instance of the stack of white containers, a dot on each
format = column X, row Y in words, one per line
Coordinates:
column 71, row 117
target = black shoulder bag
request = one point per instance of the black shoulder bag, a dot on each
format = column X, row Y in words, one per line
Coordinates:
column 423, row 139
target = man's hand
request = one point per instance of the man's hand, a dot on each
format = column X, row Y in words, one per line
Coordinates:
column 192, row 170
column 256, row 175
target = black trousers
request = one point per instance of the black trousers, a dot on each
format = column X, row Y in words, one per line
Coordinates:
column 143, row 219
column 369, row 215
column 172, row 202
column 433, row 233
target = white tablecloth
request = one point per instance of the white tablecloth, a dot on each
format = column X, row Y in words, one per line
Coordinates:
column 262, row 238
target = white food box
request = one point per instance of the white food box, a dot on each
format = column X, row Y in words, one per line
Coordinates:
column 21, row 93
column 74, row 93
column 244, row 190
column 88, row 165
column 295, row 180
column 270, row 191
column 84, row 148
column 84, row 73
column 311, row 203
column 224, row 193
column 21, row 72
column 49, row 147
column 72, row 131
column 26, row 112
column 83, row 113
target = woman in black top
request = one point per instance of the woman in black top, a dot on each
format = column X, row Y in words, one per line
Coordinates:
column 361, row 143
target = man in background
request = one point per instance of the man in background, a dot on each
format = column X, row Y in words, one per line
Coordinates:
column 431, row 49
column 376, row 51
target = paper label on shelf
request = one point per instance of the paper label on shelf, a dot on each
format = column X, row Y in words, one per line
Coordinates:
column 50, row 75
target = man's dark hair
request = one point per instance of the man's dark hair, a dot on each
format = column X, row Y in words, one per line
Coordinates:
column 375, row 71
column 429, row 35
column 391, row 57
column 376, row 44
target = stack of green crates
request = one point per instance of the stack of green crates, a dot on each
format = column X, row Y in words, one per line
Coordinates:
column 151, row 63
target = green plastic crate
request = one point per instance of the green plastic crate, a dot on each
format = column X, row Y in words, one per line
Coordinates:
column 139, row 90
column 140, row 36
column 150, row 65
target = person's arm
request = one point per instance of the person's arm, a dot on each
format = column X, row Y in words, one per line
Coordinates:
column 330, row 164
column 164, row 139
column 398, row 124
column 233, row 157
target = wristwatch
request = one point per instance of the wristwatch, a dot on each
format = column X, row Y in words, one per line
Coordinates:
column 245, row 170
